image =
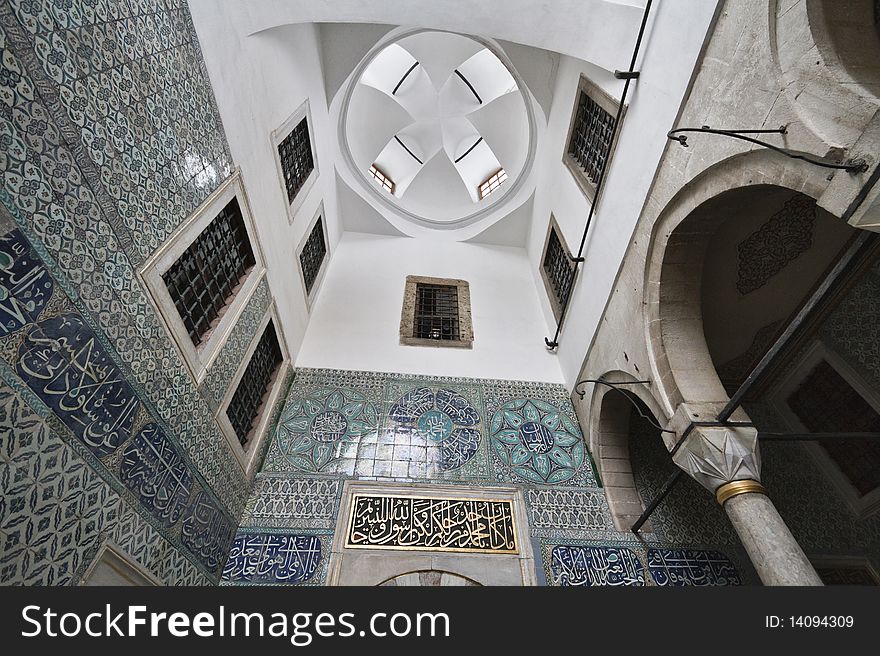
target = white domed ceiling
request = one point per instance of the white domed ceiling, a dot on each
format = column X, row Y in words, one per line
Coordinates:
column 437, row 126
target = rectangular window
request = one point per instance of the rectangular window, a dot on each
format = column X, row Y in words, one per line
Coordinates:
column 492, row 183
column 557, row 270
column 312, row 254
column 591, row 135
column 205, row 278
column 295, row 153
column 826, row 403
column 381, row 179
column 246, row 405
column 436, row 312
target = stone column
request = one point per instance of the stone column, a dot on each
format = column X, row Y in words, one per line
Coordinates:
column 725, row 460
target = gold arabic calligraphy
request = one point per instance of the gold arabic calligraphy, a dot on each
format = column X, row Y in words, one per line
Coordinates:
column 398, row 522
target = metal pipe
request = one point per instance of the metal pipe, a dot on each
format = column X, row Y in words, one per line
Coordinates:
column 664, row 492
column 552, row 344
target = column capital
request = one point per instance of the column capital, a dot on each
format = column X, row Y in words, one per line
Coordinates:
column 716, row 455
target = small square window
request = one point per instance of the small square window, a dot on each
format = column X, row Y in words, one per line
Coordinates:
column 205, row 273
column 381, row 179
column 205, row 278
column 312, row 255
column 245, row 408
column 293, row 145
column 296, row 158
column 492, row 183
column 557, row 269
column 436, row 312
column 591, row 136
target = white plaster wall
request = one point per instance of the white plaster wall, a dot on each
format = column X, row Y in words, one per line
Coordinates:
column 355, row 321
column 600, row 31
column 669, row 53
column 259, row 81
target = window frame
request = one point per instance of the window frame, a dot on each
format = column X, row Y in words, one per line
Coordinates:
column 407, row 315
column 861, row 507
column 198, row 359
column 114, row 555
column 248, row 455
column 277, row 136
column 555, row 305
column 610, row 104
column 310, row 294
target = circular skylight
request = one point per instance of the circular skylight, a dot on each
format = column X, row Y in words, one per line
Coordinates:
column 437, row 126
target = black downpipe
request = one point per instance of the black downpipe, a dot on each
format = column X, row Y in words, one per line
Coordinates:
column 629, row 76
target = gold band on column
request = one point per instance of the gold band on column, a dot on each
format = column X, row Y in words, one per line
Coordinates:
column 735, row 488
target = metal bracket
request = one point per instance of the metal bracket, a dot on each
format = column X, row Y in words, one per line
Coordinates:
column 626, row 75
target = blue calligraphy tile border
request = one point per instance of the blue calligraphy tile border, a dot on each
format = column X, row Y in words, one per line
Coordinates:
column 133, row 432
column 644, row 551
column 307, row 538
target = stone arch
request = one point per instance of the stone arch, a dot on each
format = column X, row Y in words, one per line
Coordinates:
column 681, row 364
column 610, row 440
column 430, row 578
column 828, row 54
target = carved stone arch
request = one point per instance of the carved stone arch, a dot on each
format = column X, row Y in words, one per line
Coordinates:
column 828, row 55
column 681, row 365
column 609, row 442
column 430, row 578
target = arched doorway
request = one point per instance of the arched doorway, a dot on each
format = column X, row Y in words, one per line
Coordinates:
column 430, row 578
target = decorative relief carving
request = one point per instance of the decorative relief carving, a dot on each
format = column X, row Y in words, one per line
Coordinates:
column 769, row 249
column 434, row 524
column 714, row 456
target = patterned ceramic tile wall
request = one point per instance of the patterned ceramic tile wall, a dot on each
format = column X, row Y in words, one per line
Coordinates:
column 110, row 138
column 55, row 510
column 338, row 425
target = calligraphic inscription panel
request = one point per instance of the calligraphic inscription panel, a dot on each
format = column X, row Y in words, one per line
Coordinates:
column 273, row 558
column 432, row 524
column 679, row 567
column 573, row 565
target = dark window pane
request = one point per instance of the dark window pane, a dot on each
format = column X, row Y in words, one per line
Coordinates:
column 244, row 408
column 591, row 136
column 209, row 271
column 313, row 254
column 296, row 159
column 826, row 403
column 436, row 315
column 559, row 268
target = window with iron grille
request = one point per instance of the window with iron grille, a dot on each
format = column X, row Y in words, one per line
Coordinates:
column 244, row 408
column 296, row 158
column 591, row 135
column 492, row 183
column 558, row 269
column 436, row 314
column 206, row 276
column 312, row 254
column 826, row 403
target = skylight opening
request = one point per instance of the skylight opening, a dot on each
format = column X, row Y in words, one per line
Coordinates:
column 492, row 183
column 381, row 179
